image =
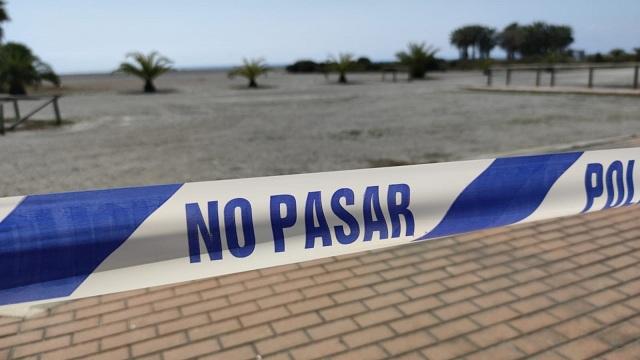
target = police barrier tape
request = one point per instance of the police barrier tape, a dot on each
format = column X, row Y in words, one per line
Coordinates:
column 79, row 244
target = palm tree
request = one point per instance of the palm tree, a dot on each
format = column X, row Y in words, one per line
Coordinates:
column 146, row 67
column 251, row 69
column 20, row 68
column 486, row 41
column 511, row 39
column 461, row 39
column 3, row 17
column 418, row 58
column 341, row 64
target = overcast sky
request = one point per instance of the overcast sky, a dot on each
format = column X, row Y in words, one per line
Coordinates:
column 94, row 35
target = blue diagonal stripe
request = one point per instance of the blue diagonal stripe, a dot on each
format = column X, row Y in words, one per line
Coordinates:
column 508, row 191
column 50, row 243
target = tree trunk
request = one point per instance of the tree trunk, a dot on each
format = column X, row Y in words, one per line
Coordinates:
column 463, row 53
column 343, row 78
column 417, row 73
column 17, row 88
column 252, row 83
column 149, row 87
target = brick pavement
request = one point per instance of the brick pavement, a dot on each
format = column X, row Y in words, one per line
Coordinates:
column 561, row 289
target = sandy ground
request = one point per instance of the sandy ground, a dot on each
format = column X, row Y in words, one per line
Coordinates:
column 209, row 127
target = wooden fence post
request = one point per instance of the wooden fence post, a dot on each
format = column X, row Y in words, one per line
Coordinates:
column 16, row 110
column 635, row 77
column 552, row 82
column 590, row 84
column 538, row 74
column 56, row 110
column 1, row 119
column 489, row 77
column 508, row 77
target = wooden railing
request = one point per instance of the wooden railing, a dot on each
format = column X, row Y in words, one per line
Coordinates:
column 394, row 71
column 14, row 100
column 553, row 69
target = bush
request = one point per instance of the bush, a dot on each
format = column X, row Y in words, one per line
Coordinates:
column 305, row 66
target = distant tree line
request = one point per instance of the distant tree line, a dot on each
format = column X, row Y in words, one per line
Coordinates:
column 535, row 41
column 417, row 60
column 615, row 55
column 539, row 41
column 360, row 64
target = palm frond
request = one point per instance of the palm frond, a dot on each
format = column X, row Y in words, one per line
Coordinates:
column 46, row 73
column 146, row 67
column 417, row 58
column 131, row 69
column 4, row 16
column 251, row 69
column 342, row 63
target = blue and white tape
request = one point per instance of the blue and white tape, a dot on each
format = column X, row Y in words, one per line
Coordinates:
column 79, row 244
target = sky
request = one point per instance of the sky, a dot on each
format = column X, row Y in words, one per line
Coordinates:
column 77, row 36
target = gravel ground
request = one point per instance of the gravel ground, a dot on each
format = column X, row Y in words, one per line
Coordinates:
column 205, row 126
